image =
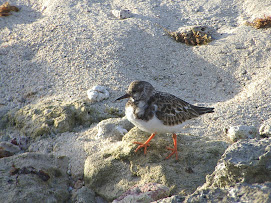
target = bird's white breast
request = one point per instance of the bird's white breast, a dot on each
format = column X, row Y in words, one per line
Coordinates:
column 153, row 125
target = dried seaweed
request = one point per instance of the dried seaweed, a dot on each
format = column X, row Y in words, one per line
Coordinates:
column 5, row 9
column 190, row 37
column 264, row 22
column 29, row 170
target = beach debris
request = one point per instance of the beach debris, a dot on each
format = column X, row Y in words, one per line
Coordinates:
column 264, row 22
column 97, row 93
column 29, row 170
column 6, row 8
column 121, row 14
column 191, row 35
column 21, row 142
column 239, row 132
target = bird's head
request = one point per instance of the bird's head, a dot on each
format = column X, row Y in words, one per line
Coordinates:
column 138, row 90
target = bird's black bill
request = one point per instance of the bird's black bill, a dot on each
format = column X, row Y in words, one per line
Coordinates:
column 123, row 97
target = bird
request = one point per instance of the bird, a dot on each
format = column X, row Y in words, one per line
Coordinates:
column 156, row 112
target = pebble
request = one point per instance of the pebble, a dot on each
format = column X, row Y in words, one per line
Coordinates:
column 113, row 128
column 97, row 93
column 121, row 14
column 265, row 130
column 236, row 133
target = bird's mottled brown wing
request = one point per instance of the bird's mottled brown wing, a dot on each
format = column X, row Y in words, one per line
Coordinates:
column 171, row 110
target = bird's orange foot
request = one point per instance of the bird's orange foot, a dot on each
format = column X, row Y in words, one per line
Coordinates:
column 145, row 145
column 174, row 151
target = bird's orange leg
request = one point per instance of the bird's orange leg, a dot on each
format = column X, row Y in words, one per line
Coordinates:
column 174, row 149
column 145, row 144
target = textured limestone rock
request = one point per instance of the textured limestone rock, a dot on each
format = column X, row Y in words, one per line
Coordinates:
column 247, row 161
column 144, row 193
column 241, row 192
column 116, row 168
column 265, row 129
column 33, row 177
column 8, row 149
column 3, row 119
column 83, row 195
column 97, row 93
column 243, row 174
column 172, row 199
column 113, row 128
column 236, row 133
column 54, row 117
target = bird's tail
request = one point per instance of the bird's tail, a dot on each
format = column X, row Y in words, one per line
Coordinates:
column 202, row 110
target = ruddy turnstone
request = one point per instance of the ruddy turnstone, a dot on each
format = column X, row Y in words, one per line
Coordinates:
column 158, row 112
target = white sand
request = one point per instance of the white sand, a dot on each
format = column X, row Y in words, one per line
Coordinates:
column 59, row 49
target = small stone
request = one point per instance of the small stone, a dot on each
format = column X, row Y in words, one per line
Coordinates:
column 8, row 149
column 121, row 14
column 113, row 128
column 236, row 133
column 244, row 72
column 97, row 93
column 265, row 130
column 78, row 184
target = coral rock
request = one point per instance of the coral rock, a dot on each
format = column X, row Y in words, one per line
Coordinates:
column 236, row 133
column 97, row 93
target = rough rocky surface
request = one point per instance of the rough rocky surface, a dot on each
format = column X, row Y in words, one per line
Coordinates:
column 52, row 117
column 83, row 195
column 241, row 192
column 8, row 149
column 236, row 133
column 113, row 128
column 242, row 174
column 247, row 161
column 34, row 177
column 144, row 193
column 116, row 167
column 53, row 51
column 265, row 129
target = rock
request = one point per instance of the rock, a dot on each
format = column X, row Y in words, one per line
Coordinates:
column 172, row 199
column 33, row 177
column 8, row 149
column 241, row 192
column 246, row 161
column 97, row 93
column 49, row 117
column 3, row 119
column 121, row 14
column 113, row 128
column 236, row 133
column 144, row 193
column 265, row 130
column 21, row 141
column 242, row 175
column 116, row 167
column 83, row 195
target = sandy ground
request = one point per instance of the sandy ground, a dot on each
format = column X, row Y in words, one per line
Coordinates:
column 56, row 49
